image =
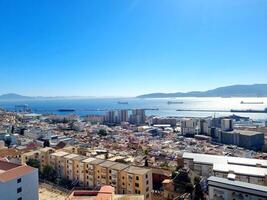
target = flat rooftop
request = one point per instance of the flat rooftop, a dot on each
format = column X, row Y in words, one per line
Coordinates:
column 242, row 170
column 70, row 156
column 239, row 186
column 245, row 132
column 119, row 166
column 216, row 159
column 107, row 164
column 59, row 153
column 137, row 170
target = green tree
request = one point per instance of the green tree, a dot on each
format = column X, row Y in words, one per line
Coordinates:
column 33, row 163
column 8, row 142
column 46, row 143
column 102, row 132
column 49, row 173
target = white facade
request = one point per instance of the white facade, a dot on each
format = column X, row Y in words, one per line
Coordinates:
column 224, row 189
column 18, row 183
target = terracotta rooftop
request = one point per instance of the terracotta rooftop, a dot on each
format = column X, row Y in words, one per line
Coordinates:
column 9, row 171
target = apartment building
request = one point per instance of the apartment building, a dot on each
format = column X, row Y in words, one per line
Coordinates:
column 104, row 172
column 79, row 169
column 115, row 177
column 44, row 156
column 69, row 166
column 30, row 155
column 18, row 182
column 93, row 172
column 224, row 189
column 57, row 161
column 241, row 169
column 138, row 181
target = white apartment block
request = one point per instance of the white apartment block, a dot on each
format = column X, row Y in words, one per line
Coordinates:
column 18, row 182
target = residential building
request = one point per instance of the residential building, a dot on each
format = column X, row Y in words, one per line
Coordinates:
column 138, row 116
column 189, row 126
column 241, row 169
column 123, row 116
column 224, row 189
column 57, row 161
column 227, row 124
column 69, row 166
column 247, row 139
column 115, row 178
column 18, row 182
column 138, row 181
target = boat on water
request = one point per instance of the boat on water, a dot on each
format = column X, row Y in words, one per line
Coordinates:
column 249, row 111
column 175, row 102
column 66, row 110
column 251, row 102
column 122, row 102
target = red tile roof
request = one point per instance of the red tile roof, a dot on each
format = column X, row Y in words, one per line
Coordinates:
column 10, row 171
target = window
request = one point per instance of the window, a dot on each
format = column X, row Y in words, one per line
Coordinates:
column 147, row 182
column 136, row 184
column 19, row 180
column 146, row 176
column 19, row 190
column 137, row 178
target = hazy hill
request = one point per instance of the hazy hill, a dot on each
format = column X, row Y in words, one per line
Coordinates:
column 256, row 90
column 13, row 96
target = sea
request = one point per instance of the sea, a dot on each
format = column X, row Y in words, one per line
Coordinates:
column 156, row 106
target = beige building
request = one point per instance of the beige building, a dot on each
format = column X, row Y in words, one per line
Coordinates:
column 69, row 166
column 57, row 161
column 44, row 156
column 138, row 181
column 92, row 172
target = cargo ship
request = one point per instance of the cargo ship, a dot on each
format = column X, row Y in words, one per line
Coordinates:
column 248, row 102
column 175, row 102
column 122, row 102
column 66, row 110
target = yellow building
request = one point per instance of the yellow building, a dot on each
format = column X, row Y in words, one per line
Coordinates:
column 115, row 177
column 89, row 178
column 69, row 166
column 44, row 156
column 92, row 172
column 139, row 181
column 104, row 172
column 57, row 161
column 30, row 155
column 79, row 169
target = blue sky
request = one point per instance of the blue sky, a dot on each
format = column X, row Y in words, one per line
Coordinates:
column 130, row 47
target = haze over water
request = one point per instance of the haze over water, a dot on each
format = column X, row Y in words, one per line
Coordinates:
column 93, row 105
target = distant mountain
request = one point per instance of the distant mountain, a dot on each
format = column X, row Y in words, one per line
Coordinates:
column 16, row 97
column 13, row 96
column 256, row 90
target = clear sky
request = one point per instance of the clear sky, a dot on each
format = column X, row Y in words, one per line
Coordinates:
column 130, row 47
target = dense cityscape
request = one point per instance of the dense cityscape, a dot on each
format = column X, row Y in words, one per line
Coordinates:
column 125, row 154
column 133, row 100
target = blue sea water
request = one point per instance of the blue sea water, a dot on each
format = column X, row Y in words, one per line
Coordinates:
column 99, row 105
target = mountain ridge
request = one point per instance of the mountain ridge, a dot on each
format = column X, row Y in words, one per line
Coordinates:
column 255, row 90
